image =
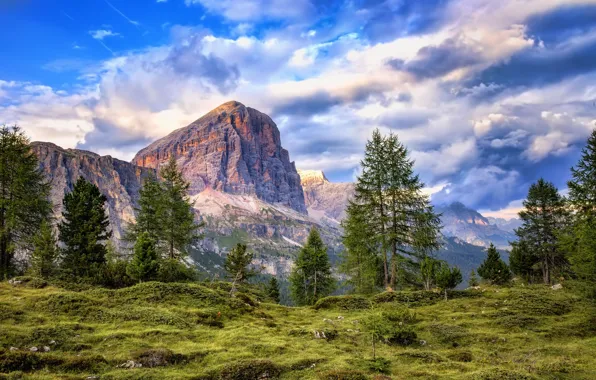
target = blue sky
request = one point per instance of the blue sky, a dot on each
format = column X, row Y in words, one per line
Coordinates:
column 488, row 96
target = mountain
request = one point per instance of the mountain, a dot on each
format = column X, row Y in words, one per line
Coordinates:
column 325, row 201
column 509, row 225
column 233, row 149
column 243, row 184
column 470, row 226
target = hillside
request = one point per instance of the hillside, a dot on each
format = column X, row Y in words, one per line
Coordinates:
column 196, row 331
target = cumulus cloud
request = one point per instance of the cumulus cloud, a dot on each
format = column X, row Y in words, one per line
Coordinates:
column 100, row 34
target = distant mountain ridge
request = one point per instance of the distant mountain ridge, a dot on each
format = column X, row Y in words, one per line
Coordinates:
column 326, row 201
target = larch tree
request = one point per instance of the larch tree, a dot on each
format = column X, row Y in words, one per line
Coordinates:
column 84, row 230
column 237, row 263
column 24, row 203
column 45, row 251
column 544, row 216
column 448, row 278
column 311, row 277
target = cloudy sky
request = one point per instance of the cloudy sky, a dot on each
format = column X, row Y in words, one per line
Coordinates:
column 488, row 95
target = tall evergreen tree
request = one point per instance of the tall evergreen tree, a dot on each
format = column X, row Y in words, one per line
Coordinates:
column 166, row 213
column 273, row 289
column 428, row 271
column 359, row 260
column 494, row 269
column 448, row 278
column 145, row 261
column 24, row 203
column 45, row 251
column 311, row 277
column 84, row 229
column 237, row 263
column 580, row 239
column 524, row 262
column 544, row 216
column 400, row 220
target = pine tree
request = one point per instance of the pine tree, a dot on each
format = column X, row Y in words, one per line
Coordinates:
column 473, row 281
column 523, row 261
column 24, row 203
column 45, row 252
column 273, row 289
column 84, row 229
column 494, row 269
column 311, row 278
column 400, row 221
column 448, row 278
column 237, row 263
column 166, row 213
column 144, row 263
column 544, row 216
column 428, row 271
column 359, row 260
column 580, row 239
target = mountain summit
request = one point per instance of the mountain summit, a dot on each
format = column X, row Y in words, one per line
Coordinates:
column 233, row 149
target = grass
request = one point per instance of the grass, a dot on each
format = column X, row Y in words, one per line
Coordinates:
column 194, row 331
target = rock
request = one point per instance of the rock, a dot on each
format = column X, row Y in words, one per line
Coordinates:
column 233, row 149
column 326, row 201
column 340, row 317
column 423, row 342
column 46, row 349
column 13, row 349
column 130, row 364
column 33, row 349
column 557, row 287
column 92, row 377
column 52, row 342
column 14, row 282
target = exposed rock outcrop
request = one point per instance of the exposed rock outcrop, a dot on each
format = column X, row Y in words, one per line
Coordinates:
column 326, row 201
column 233, row 149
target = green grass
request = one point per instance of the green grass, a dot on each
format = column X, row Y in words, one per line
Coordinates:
column 194, row 331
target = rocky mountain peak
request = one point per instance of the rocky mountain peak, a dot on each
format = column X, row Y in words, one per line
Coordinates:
column 312, row 177
column 233, row 149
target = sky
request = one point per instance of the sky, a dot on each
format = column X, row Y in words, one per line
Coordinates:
column 487, row 95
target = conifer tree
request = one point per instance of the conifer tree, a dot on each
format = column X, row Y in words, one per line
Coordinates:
column 359, row 260
column 473, row 281
column 544, row 216
column 580, row 240
column 448, row 278
column 144, row 263
column 84, row 230
column 311, row 278
column 428, row 271
column 24, row 203
column 45, row 251
column 237, row 263
column 523, row 261
column 273, row 289
column 494, row 269
column 166, row 213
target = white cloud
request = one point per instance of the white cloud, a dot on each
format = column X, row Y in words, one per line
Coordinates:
column 100, row 34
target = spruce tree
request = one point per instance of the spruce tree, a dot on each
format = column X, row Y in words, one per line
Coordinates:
column 494, row 269
column 273, row 289
column 359, row 260
column 166, row 213
column 311, row 277
column 145, row 261
column 523, row 261
column 45, row 252
column 448, row 278
column 84, row 230
column 473, row 281
column 24, row 191
column 237, row 264
column 580, row 239
column 544, row 217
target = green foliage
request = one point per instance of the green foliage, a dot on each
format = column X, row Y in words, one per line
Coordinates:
column 250, row 370
column 523, row 261
column 411, row 298
column 157, row 357
column 428, row 271
column 83, row 230
column 273, row 289
column 473, row 280
column 45, row 252
column 172, row 270
column 144, row 263
column 166, row 213
column 398, row 218
column 30, row 282
column 237, row 264
column 494, row 269
column 311, row 277
column 24, row 201
column 449, row 334
column 349, row 302
column 448, row 278
column 544, row 216
column 340, row 374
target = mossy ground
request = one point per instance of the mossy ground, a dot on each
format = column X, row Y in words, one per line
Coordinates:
column 193, row 331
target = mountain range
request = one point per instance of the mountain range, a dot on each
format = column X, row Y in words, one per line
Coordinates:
column 246, row 189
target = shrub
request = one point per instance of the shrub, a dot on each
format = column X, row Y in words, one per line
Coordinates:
column 343, row 375
column 412, row 298
column 424, row 356
column 66, row 303
column 500, row 374
column 402, row 337
column 157, row 357
column 539, row 303
column 172, row 270
column 30, row 361
column 30, row 282
column 449, row 333
column 250, row 370
column 380, row 365
column 306, row 363
column 515, row 320
column 349, row 302
column 461, row 356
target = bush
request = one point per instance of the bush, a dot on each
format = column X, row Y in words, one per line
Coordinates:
column 449, row 333
column 172, row 270
column 157, row 357
column 30, row 361
column 306, row 364
column 343, row 375
column 424, row 356
column 250, row 370
column 501, row 374
column 514, row 320
column 380, row 365
column 349, row 302
column 412, row 298
column 539, row 303
column 402, row 337
column 30, row 282
column 461, row 356
column 66, row 303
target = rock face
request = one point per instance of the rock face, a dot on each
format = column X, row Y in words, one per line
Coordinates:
column 326, row 201
column 470, row 226
column 233, row 149
column 119, row 181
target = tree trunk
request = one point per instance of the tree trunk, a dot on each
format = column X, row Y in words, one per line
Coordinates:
column 445, row 294
column 393, row 264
